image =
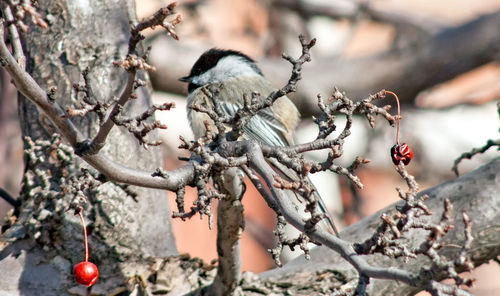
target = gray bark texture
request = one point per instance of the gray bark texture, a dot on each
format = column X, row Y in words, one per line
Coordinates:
column 47, row 240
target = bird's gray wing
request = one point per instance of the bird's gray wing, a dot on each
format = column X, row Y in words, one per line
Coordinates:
column 267, row 129
column 264, row 126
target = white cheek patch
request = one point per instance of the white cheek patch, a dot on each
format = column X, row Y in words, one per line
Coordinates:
column 204, row 78
column 227, row 67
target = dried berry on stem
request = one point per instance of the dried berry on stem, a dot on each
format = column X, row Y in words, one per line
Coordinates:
column 399, row 152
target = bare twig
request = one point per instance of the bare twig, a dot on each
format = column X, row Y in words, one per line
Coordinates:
column 15, row 41
column 302, row 240
column 8, row 198
column 157, row 19
column 19, row 9
column 468, row 155
column 490, row 143
column 345, row 249
column 339, row 103
column 86, row 147
column 137, row 127
column 244, row 115
column 131, row 64
column 89, row 101
column 389, row 237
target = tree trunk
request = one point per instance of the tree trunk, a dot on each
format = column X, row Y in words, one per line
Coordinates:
column 47, row 239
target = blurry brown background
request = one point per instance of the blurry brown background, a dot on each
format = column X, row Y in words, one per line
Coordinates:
column 440, row 122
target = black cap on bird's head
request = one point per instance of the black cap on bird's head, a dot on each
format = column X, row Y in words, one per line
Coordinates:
column 210, row 59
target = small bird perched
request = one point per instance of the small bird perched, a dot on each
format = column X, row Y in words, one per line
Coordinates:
column 239, row 76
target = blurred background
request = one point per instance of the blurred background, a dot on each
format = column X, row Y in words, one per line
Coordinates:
column 440, row 57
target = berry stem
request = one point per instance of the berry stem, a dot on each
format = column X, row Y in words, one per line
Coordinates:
column 85, row 236
column 399, row 112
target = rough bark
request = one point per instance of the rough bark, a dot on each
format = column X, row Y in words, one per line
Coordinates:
column 123, row 230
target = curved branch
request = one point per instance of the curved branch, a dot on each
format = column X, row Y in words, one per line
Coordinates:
column 112, row 170
column 475, row 193
column 344, row 248
column 28, row 87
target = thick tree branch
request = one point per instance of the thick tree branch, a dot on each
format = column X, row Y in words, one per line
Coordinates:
column 345, row 249
column 28, row 87
column 230, row 224
column 407, row 71
column 353, row 10
column 475, row 193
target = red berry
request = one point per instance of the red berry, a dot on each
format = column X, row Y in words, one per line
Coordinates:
column 401, row 152
column 86, row 273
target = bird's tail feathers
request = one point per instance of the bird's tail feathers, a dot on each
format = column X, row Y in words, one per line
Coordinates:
column 291, row 175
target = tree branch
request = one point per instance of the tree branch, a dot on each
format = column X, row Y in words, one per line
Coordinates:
column 407, row 70
column 99, row 140
column 345, row 249
column 230, row 224
column 15, row 41
column 131, row 64
column 112, row 170
column 481, row 184
column 28, row 87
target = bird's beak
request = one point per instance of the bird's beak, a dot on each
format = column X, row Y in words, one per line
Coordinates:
column 185, row 79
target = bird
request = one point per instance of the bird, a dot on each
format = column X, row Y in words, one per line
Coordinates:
column 239, row 75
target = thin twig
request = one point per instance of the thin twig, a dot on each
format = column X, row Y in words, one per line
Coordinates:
column 468, row 155
column 15, row 40
column 100, row 139
column 131, row 64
